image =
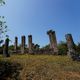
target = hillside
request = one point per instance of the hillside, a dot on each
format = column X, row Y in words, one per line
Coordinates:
column 39, row 67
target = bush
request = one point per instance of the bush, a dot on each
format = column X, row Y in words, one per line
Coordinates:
column 9, row 70
column 62, row 48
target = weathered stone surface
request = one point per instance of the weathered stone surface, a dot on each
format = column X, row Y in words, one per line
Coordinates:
column 16, row 44
column 70, row 44
column 23, row 44
column 5, row 48
column 53, row 41
column 30, row 45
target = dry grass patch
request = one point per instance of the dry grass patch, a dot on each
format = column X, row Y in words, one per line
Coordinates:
column 46, row 67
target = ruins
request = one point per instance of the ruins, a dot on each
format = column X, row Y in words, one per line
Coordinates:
column 70, row 44
column 23, row 44
column 16, row 44
column 30, row 46
column 5, row 48
column 71, row 48
column 53, row 41
column 33, row 48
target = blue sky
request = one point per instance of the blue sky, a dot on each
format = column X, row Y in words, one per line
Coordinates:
column 36, row 17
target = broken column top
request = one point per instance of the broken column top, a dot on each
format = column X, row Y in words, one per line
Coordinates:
column 50, row 32
column 23, row 35
column 29, row 35
column 69, row 36
column 16, row 37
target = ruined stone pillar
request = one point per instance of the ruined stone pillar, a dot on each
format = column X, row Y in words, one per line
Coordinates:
column 23, row 44
column 16, row 44
column 5, row 48
column 30, row 46
column 53, row 41
column 70, row 44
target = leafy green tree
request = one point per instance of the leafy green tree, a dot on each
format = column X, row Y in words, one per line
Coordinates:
column 62, row 47
column 37, row 46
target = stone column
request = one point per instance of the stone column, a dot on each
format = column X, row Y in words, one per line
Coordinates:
column 5, row 48
column 23, row 44
column 53, row 41
column 16, row 44
column 70, row 44
column 30, row 46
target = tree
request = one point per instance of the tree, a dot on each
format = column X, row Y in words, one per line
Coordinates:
column 62, row 47
column 2, row 2
column 3, row 29
column 37, row 46
column 3, row 26
column 46, row 47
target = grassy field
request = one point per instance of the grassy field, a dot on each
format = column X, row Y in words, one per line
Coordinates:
column 40, row 67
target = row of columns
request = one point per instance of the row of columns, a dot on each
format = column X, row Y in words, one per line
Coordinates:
column 53, row 42
column 23, row 44
column 52, row 38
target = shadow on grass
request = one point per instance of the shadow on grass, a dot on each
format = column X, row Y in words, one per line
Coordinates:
column 9, row 71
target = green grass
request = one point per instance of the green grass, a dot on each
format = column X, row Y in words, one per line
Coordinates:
column 45, row 67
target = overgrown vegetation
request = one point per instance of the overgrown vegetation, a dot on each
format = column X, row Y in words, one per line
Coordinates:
column 42, row 67
column 62, row 47
column 9, row 70
column 3, row 26
column 2, row 2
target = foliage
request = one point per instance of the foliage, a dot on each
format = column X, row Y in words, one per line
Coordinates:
column 1, row 50
column 37, row 46
column 62, row 47
column 11, row 47
column 3, row 26
column 2, row 2
column 9, row 70
column 46, row 47
column 78, row 48
column 3, row 29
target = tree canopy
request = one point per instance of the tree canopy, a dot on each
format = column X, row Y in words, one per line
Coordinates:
column 2, row 2
column 3, row 26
